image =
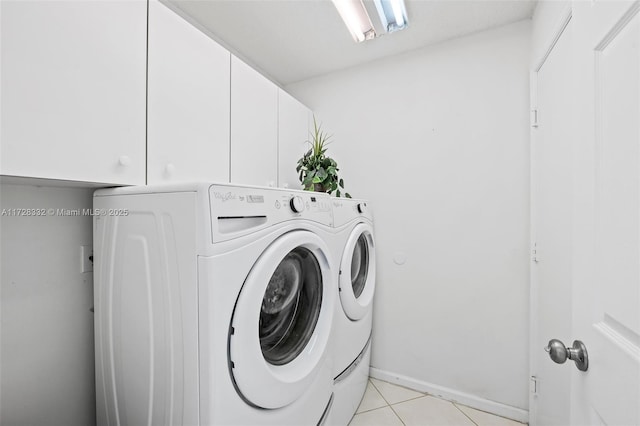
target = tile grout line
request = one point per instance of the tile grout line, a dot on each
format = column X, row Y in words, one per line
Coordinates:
column 389, row 405
column 376, row 408
column 466, row 415
column 378, row 390
column 397, row 415
column 410, row 399
column 372, row 409
column 399, row 402
column 385, row 400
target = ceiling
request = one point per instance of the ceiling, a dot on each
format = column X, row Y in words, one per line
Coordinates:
column 294, row 40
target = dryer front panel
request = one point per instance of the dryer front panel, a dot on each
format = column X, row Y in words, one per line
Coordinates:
column 357, row 272
column 282, row 321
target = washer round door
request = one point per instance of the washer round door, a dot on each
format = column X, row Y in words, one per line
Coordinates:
column 282, row 321
column 357, row 272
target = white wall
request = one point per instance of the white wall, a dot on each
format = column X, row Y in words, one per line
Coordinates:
column 438, row 139
column 46, row 328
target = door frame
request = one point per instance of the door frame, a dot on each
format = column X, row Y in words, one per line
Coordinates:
column 563, row 19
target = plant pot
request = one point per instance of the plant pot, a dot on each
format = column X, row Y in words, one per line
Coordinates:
column 318, row 187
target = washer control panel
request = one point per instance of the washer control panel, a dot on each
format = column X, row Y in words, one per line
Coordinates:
column 236, row 210
column 348, row 209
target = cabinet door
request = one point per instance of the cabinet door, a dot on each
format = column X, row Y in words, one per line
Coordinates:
column 73, row 90
column 188, row 116
column 293, row 134
column 254, row 126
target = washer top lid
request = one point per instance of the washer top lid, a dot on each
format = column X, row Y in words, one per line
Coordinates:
column 346, row 210
column 154, row 189
column 202, row 187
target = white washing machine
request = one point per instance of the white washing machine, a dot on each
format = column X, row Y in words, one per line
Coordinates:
column 213, row 306
column 354, row 248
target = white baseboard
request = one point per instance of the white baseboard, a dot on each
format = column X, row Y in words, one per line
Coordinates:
column 503, row 410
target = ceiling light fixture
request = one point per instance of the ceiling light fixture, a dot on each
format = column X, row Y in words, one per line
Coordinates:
column 355, row 14
column 393, row 14
column 356, row 19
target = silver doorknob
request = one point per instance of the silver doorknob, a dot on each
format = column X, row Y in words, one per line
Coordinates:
column 559, row 353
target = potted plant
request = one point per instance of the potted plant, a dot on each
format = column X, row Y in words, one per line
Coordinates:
column 318, row 172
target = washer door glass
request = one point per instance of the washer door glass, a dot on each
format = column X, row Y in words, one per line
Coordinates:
column 359, row 265
column 290, row 307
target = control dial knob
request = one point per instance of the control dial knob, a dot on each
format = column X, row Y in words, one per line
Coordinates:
column 362, row 207
column 296, row 204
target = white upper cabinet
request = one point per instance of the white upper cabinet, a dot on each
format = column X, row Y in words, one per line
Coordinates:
column 254, row 127
column 189, row 94
column 73, row 90
column 294, row 122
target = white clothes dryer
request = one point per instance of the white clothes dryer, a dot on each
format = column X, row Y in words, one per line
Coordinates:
column 354, row 248
column 213, row 306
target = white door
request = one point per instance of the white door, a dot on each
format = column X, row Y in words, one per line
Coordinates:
column 73, row 90
column 606, row 290
column 254, row 126
column 188, row 102
column 586, row 281
column 551, row 223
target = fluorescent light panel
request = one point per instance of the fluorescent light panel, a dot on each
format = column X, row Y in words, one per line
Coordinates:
column 393, row 14
column 356, row 19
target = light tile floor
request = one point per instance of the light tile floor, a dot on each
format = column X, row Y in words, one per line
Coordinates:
column 388, row 404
